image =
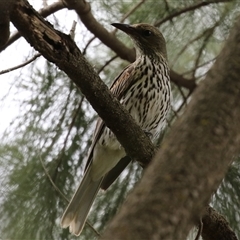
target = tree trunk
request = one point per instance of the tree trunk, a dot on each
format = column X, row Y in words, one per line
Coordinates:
column 192, row 160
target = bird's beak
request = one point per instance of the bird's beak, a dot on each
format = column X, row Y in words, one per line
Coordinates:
column 125, row 28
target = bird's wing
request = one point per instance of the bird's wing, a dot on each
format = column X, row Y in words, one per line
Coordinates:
column 123, row 81
column 119, row 86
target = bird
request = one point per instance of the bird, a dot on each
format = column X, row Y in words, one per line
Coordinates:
column 143, row 88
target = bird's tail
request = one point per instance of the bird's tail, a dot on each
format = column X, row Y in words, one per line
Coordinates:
column 77, row 210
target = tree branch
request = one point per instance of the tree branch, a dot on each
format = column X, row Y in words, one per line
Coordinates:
column 218, row 131
column 216, row 227
column 60, row 49
column 188, row 9
column 20, row 65
column 193, row 158
column 44, row 12
column 83, row 9
column 5, row 9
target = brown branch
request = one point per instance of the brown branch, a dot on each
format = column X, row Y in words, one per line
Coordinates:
column 60, row 49
column 83, row 9
column 183, row 82
column 216, row 227
column 188, row 9
column 218, row 120
column 44, row 12
column 193, row 159
column 87, row 45
column 5, row 9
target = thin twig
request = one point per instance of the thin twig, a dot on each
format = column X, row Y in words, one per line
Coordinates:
column 188, row 9
column 20, row 65
column 182, row 93
column 73, row 29
column 201, row 65
column 106, row 63
column 96, row 232
column 200, row 51
column 63, row 196
column 210, row 33
column 132, row 10
column 187, row 45
column 87, row 45
column 50, row 179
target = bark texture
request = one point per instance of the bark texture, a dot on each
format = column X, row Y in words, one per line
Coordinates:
column 192, row 160
column 215, row 226
column 194, row 157
column 60, row 49
column 5, row 9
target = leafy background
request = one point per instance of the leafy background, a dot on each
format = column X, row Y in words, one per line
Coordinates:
column 43, row 148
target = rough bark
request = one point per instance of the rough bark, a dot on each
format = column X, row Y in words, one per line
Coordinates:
column 193, row 158
column 5, row 8
column 83, row 9
column 44, row 12
column 215, row 226
column 171, row 196
column 60, row 49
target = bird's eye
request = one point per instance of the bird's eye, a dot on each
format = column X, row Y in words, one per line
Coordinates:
column 147, row 33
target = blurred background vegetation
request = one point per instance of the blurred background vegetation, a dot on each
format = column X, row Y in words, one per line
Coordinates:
column 43, row 148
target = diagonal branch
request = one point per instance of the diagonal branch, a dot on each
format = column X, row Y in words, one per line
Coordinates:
column 60, row 49
column 20, row 65
column 44, row 12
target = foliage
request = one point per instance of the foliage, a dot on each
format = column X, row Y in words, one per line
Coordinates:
column 50, row 137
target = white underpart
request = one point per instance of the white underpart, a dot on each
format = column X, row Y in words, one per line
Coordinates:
column 108, row 151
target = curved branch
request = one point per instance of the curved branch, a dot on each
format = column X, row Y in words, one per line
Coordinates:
column 83, row 9
column 20, row 65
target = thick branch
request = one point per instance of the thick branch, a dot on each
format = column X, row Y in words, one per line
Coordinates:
column 83, row 9
column 192, row 160
column 216, row 227
column 44, row 12
column 61, row 50
column 5, row 9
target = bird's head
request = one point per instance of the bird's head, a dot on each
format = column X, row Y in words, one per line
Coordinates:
column 148, row 39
